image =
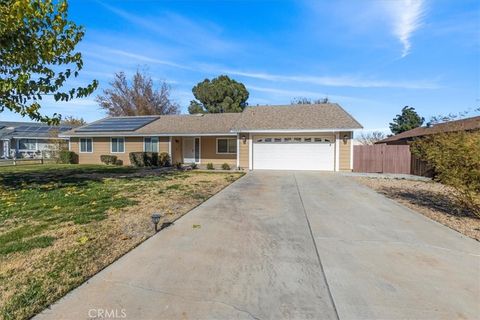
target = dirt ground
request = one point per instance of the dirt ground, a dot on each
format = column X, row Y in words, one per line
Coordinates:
column 32, row 279
column 431, row 199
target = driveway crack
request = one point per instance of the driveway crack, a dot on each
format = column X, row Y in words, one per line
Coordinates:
column 316, row 249
column 190, row 298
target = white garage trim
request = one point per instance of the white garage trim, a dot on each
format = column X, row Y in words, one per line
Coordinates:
column 337, row 151
column 276, row 131
column 238, row 150
column 250, row 152
column 351, row 151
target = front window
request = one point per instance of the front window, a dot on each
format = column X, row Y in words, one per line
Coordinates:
column 228, row 145
column 86, row 145
column 27, row 144
column 118, row 145
column 151, row 144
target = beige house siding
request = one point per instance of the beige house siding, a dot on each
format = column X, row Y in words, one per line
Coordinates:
column 244, row 151
column 163, row 144
column 344, row 151
column 101, row 146
column 208, row 152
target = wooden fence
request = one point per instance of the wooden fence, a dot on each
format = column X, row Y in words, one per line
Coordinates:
column 382, row 158
column 19, row 162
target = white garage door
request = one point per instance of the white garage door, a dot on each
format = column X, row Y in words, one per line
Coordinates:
column 293, row 153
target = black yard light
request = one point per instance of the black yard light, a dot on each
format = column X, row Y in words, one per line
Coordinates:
column 156, row 219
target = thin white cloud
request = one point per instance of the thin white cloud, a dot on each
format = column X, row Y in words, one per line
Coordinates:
column 197, row 35
column 143, row 58
column 291, row 94
column 337, row 81
column 406, row 16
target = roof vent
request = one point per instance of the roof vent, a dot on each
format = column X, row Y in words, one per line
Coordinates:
column 198, row 114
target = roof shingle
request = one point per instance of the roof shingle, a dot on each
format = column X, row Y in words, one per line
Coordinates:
column 450, row 126
column 291, row 117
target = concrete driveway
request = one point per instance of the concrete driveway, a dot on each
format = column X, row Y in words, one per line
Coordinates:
column 290, row 245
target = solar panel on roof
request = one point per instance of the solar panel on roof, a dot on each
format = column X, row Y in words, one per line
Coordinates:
column 118, row 124
column 40, row 129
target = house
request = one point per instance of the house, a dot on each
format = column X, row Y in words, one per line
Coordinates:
column 29, row 139
column 293, row 137
column 467, row 124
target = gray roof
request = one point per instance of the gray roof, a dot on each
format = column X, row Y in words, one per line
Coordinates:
column 327, row 116
column 296, row 117
column 209, row 123
column 9, row 130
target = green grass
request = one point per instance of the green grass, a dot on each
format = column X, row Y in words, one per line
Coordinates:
column 54, row 231
column 34, row 199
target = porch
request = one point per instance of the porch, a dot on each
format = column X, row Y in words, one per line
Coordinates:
column 205, row 149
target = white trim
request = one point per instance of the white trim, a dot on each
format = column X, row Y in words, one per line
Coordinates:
column 199, row 150
column 250, row 152
column 27, row 150
column 69, row 145
column 170, row 147
column 297, row 130
column 158, row 144
column 337, row 151
column 351, row 152
column 80, row 145
column 223, row 138
column 111, row 144
column 41, row 138
column 112, row 134
column 238, row 150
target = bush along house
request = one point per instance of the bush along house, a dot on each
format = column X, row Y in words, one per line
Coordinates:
column 30, row 140
column 293, row 137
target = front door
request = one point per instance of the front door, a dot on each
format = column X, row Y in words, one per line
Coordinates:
column 191, row 150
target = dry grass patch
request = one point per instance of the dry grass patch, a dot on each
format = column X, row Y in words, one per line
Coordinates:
column 62, row 224
column 431, row 199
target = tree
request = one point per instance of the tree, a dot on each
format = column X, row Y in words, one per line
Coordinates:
column 137, row 98
column 303, row 100
column 72, row 121
column 408, row 120
column 37, row 44
column 455, row 160
column 452, row 116
column 218, row 95
column 371, row 137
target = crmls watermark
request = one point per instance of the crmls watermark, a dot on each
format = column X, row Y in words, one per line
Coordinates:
column 107, row 313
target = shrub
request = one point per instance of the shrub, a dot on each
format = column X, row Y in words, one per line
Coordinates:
column 144, row 159
column 67, row 157
column 225, row 166
column 210, row 166
column 455, row 159
column 178, row 165
column 119, row 162
column 164, row 160
column 194, row 165
column 108, row 159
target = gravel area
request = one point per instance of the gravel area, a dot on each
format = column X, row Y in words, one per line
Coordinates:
column 431, row 199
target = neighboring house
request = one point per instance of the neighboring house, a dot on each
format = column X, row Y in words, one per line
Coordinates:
column 293, row 137
column 29, row 140
column 467, row 124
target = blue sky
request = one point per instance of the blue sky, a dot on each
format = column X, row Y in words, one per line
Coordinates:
column 372, row 57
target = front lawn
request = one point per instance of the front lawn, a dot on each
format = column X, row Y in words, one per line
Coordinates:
column 61, row 224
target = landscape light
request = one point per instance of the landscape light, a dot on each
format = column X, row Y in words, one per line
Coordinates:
column 156, row 219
